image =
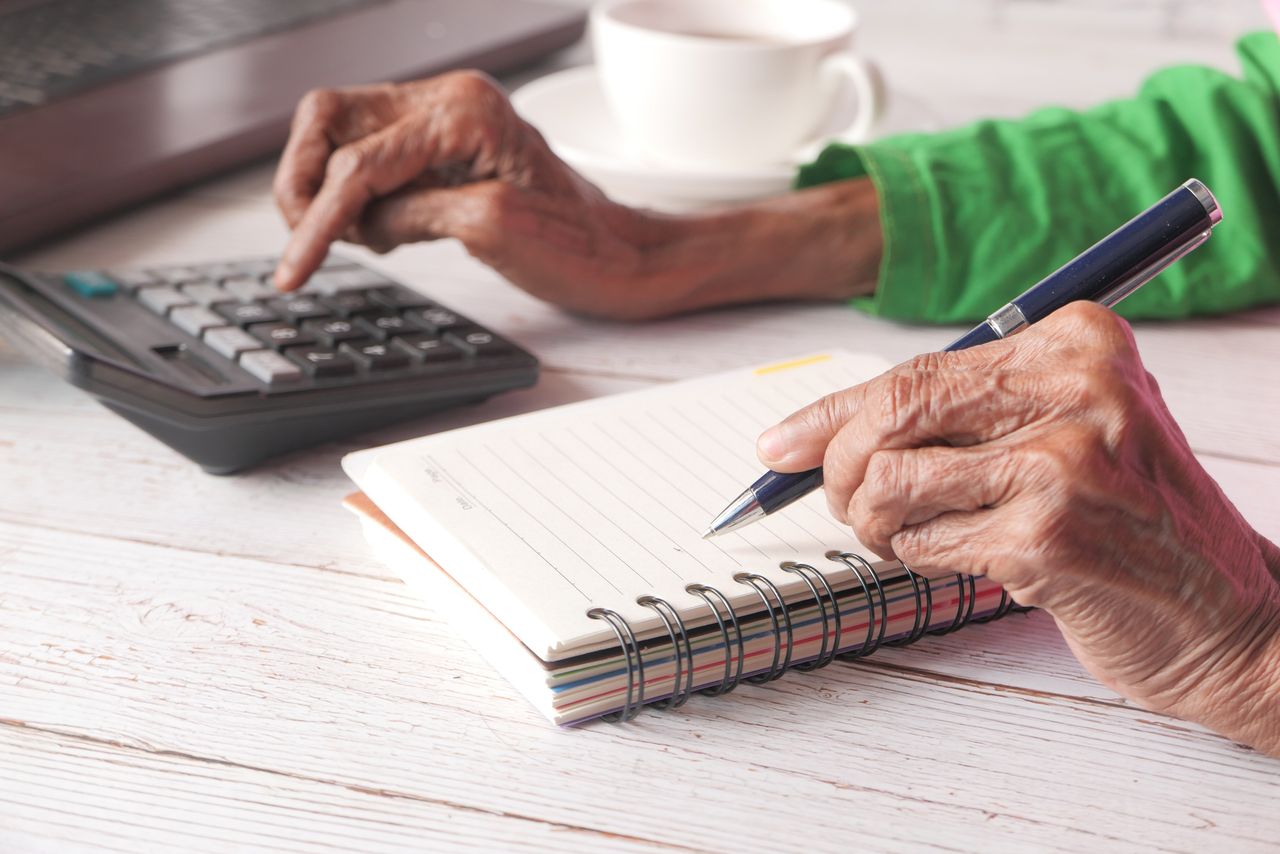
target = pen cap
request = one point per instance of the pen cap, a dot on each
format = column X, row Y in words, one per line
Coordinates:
column 1131, row 255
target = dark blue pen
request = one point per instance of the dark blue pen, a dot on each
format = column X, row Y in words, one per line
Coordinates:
column 1106, row 273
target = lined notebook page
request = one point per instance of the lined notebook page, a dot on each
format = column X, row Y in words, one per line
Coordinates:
column 545, row 516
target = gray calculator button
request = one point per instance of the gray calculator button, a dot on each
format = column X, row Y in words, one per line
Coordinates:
column 249, row 288
column 230, row 341
column 132, row 279
column 269, row 366
column 256, row 268
column 177, row 275
column 205, row 293
column 160, row 300
column 329, row 282
column 194, row 319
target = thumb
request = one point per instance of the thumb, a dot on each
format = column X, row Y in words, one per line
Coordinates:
column 800, row 441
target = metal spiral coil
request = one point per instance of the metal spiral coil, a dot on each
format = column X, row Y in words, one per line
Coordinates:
column 856, row 564
column 676, row 631
column 782, row 627
column 730, row 681
column 635, row 671
column 781, row 661
column 826, row 652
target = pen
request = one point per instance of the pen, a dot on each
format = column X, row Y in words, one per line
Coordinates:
column 1106, row 273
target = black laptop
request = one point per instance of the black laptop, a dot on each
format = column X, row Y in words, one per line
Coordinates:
column 104, row 103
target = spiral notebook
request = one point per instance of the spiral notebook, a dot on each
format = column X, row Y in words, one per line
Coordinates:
column 566, row 546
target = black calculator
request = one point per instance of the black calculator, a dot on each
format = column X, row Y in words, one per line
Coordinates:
column 216, row 363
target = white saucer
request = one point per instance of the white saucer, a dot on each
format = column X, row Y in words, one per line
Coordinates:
column 569, row 109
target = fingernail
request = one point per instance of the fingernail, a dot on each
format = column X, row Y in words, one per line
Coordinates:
column 773, row 443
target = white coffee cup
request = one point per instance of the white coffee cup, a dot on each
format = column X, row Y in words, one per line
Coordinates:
column 724, row 84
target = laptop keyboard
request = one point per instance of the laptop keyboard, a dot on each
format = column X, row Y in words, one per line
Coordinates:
column 56, row 48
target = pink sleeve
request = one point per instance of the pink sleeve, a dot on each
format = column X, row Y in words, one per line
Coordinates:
column 1273, row 9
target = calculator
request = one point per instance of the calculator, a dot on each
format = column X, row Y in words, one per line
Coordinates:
column 213, row 361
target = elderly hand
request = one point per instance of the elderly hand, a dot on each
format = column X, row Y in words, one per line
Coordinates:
column 1049, row 463
column 449, row 157
column 446, row 157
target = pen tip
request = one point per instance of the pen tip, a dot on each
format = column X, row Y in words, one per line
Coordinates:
column 709, row 533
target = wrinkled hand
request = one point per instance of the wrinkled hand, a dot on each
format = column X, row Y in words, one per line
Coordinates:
column 448, row 157
column 1049, row 463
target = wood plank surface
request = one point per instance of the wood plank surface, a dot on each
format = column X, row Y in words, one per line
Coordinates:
column 347, row 680
column 208, row 664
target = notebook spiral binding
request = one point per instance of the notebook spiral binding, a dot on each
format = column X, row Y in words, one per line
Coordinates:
column 779, row 616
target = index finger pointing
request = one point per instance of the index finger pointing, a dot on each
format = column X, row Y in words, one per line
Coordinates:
column 302, row 165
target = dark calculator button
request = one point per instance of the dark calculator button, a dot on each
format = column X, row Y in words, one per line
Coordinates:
column 333, row 332
column 301, row 308
column 322, row 362
column 376, row 355
column 437, row 319
column 428, row 347
column 280, row 335
column 351, row 303
column 477, row 341
column 396, row 296
column 244, row 313
column 382, row 326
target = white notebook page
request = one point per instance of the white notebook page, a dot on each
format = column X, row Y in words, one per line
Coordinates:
column 545, row 516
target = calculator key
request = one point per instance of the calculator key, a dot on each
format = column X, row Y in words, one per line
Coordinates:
column 218, row 272
column 333, row 332
column 269, row 366
column 131, row 280
column 245, row 313
column 427, row 347
column 91, row 283
column 195, row 319
column 376, row 355
column 477, row 341
column 333, row 262
column 160, row 300
column 280, row 335
column 384, row 326
column 205, row 292
column 397, row 296
column 301, row 307
column 256, row 268
column 322, row 362
column 177, row 275
column 437, row 319
column 230, row 341
column 352, row 303
column 248, row 288
column 330, row 282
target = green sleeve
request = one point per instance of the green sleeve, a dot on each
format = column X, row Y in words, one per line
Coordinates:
column 972, row 217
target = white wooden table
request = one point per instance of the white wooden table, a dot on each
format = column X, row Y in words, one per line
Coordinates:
column 199, row 663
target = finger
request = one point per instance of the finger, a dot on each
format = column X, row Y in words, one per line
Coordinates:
column 925, row 383
column 325, row 120
column 951, row 409
column 301, row 169
column 967, row 542
column 472, row 213
column 354, row 175
column 906, row 487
